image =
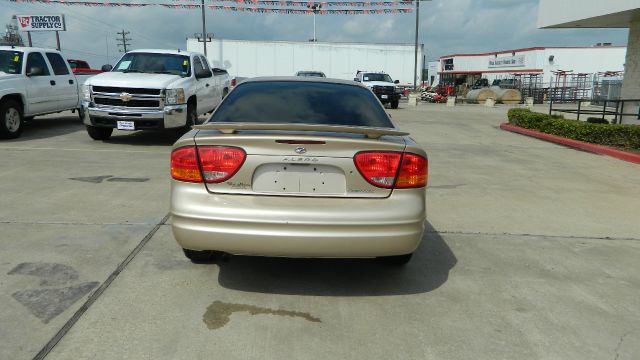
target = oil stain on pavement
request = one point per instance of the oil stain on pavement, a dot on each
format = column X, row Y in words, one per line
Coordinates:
column 218, row 314
column 48, row 302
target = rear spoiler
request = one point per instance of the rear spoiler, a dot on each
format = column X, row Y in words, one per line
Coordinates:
column 370, row 132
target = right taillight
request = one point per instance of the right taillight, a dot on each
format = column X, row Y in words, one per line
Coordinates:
column 413, row 172
column 216, row 163
column 386, row 169
column 233, row 82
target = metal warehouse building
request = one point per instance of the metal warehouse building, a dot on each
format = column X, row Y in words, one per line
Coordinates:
column 245, row 58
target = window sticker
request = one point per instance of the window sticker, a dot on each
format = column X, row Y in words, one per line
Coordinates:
column 124, row 65
column 16, row 58
column 185, row 63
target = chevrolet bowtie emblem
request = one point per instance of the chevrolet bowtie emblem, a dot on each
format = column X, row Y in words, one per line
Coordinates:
column 125, row 97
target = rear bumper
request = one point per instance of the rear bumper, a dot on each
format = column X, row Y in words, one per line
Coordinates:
column 171, row 116
column 297, row 227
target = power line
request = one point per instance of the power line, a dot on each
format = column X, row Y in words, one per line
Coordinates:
column 123, row 41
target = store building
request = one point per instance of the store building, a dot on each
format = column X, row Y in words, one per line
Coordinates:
column 544, row 65
column 603, row 14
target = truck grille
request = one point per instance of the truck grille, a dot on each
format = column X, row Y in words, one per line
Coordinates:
column 132, row 91
column 127, row 97
column 384, row 89
column 130, row 103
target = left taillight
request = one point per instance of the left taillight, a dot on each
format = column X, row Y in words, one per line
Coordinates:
column 184, row 164
column 218, row 163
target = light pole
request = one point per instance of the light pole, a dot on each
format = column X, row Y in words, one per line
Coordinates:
column 315, row 7
column 415, row 61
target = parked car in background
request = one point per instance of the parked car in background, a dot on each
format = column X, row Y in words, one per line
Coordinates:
column 82, row 67
column 34, row 81
column 152, row 89
column 382, row 85
column 299, row 167
column 311, row 74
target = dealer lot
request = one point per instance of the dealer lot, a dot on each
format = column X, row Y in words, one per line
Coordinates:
column 532, row 253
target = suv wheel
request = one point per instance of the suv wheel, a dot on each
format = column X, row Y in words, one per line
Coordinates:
column 11, row 121
column 99, row 133
column 394, row 104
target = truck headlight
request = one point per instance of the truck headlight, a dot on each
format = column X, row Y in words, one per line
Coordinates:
column 86, row 92
column 174, row 96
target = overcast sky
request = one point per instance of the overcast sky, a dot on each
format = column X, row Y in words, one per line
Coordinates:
column 446, row 27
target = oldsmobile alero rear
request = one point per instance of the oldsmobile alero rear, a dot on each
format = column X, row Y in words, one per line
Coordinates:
column 299, row 167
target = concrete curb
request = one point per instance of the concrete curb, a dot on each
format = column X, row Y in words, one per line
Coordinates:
column 576, row 144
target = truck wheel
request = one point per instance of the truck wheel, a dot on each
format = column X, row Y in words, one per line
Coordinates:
column 81, row 114
column 394, row 104
column 192, row 116
column 99, row 133
column 11, row 121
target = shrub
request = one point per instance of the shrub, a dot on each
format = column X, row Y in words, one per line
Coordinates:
column 624, row 136
column 595, row 120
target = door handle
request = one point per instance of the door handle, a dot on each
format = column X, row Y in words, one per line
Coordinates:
column 70, row 81
column 52, row 82
column 207, row 85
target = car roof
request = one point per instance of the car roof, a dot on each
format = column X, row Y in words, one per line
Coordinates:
column 302, row 79
column 24, row 48
column 165, row 51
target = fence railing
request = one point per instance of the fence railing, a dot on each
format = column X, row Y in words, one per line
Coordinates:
column 615, row 108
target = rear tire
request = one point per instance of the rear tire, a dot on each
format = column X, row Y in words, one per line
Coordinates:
column 394, row 104
column 201, row 256
column 11, row 120
column 397, row 260
column 99, row 133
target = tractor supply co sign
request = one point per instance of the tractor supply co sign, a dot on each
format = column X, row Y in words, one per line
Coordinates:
column 511, row 61
column 41, row 22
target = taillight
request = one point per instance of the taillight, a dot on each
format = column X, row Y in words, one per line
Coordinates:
column 381, row 169
column 413, row 172
column 184, row 164
column 220, row 163
column 233, row 82
column 378, row 168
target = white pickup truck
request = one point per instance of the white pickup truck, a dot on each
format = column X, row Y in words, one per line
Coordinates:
column 152, row 89
column 34, row 82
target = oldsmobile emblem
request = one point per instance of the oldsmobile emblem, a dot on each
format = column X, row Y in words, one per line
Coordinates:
column 300, row 150
column 125, row 96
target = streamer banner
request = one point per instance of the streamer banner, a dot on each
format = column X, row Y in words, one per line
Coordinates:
column 311, row 3
column 249, row 9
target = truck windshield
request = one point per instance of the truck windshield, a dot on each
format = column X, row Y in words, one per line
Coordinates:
column 302, row 102
column 154, row 64
column 376, row 77
column 10, row 62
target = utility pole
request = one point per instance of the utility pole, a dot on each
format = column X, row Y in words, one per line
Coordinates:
column 415, row 63
column 315, row 7
column 123, row 41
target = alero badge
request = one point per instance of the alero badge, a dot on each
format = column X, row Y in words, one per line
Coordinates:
column 126, row 97
column 300, row 150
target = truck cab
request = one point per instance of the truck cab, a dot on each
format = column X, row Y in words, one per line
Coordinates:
column 382, row 86
column 152, row 89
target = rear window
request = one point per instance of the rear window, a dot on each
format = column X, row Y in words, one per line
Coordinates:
column 302, row 102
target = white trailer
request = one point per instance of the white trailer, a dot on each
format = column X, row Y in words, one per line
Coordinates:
column 244, row 58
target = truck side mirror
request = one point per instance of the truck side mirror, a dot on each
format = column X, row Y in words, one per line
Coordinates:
column 35, row 71
column 396, row 81
column 203, row 73
column 356, row 79
column 107, row 68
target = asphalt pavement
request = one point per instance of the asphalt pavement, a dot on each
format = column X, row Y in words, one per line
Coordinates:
column 531, row 253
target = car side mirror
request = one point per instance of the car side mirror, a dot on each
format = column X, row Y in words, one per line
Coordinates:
column 203, row 73
column 107, row 68
column 356, row 79
column 396, row 81
column 35, row 71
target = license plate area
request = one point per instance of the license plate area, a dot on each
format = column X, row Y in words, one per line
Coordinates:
column 385, row 96
column 125, row 125
column 299, row 179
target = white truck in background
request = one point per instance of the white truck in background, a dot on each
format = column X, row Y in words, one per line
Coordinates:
column 34, row 82
column 152, row 89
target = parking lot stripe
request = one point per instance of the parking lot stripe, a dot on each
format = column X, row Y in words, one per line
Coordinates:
column 99, row 291
column 21, row 148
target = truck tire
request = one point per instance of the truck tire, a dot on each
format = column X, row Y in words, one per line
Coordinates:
column 192, row 116
column 394, row 104
column 99, row 133
column 11, row 120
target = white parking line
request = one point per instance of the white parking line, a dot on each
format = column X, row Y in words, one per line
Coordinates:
column 63, row 149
